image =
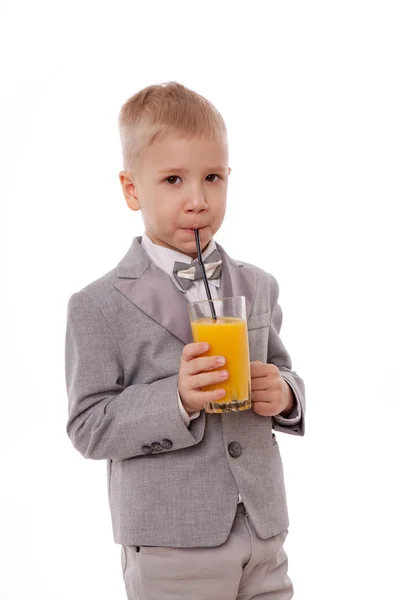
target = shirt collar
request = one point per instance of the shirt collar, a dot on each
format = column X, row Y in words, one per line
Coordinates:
column 164, row 258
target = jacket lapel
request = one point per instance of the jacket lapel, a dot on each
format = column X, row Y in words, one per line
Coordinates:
column 153, row 291
column 237, row 279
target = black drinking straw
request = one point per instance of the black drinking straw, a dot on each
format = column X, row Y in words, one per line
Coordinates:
column 196, row 232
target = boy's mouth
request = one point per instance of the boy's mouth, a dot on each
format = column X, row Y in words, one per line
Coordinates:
column 191, row 230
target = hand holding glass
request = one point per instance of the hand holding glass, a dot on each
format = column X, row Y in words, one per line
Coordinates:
column 227, row 336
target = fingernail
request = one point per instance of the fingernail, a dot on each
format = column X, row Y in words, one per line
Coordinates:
column 220, row 360
column 205, row 346
column 223, row 374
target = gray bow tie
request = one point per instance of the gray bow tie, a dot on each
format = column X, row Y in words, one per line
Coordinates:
column 186, row 274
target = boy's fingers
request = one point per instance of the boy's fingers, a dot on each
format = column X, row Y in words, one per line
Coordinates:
column 206, row 363
column 203, row 379
column 259, row 383
column 198, row 348
column 212, row 396
column 262, row 408
column 190, row 351
column 257, row 368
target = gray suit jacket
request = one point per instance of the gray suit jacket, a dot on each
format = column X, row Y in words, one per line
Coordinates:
column 124, row 339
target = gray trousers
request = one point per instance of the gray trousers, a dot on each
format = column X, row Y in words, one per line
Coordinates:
column 243, row 568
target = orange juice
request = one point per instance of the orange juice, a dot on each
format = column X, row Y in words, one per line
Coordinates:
column 227, row 337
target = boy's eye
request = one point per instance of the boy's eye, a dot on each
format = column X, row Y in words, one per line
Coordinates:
column 213, row 175
column 168, row 179
column 172, row 177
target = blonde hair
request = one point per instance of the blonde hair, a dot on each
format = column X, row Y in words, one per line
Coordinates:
column 166, row 108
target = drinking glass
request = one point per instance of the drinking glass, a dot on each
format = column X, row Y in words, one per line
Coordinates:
column 227, row 336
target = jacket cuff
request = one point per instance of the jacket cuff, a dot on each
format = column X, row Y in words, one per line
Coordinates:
column 294, row 422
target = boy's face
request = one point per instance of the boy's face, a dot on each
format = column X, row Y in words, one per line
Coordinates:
column 180, row 184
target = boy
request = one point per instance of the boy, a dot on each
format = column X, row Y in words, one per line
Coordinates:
column 197, row 500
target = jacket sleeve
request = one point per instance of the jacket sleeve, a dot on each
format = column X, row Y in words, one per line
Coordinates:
column 294, row 423
column 107, row 420
column 186, row 418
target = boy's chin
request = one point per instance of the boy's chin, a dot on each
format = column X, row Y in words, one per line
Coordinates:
column 187, row 236
column 190, row 244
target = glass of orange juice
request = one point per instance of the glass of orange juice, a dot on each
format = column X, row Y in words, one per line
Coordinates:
column 225, row 330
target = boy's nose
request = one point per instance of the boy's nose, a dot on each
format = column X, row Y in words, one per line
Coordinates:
column 196, row 203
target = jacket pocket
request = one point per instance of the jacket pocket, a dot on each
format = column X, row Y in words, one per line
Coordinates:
column 257, row 321
column 155, row 549
column 258, row 332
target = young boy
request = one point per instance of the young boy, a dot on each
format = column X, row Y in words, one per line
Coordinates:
column 197, row 500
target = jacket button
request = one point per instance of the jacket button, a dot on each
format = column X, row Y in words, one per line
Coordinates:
column 156, row 447
column 235, row 449
column 167, row 444
column 147, row 449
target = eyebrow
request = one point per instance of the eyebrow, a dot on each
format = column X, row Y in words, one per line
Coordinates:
column 183, row 170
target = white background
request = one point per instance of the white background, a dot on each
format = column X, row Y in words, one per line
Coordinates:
column 310, row 95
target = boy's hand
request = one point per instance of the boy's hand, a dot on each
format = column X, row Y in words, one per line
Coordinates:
column 270, row 393
column 194, row 373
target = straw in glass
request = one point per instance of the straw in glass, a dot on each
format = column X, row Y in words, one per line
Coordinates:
column 203, row 271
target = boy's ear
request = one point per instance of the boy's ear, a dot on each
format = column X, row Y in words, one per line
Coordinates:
column 129, row 190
